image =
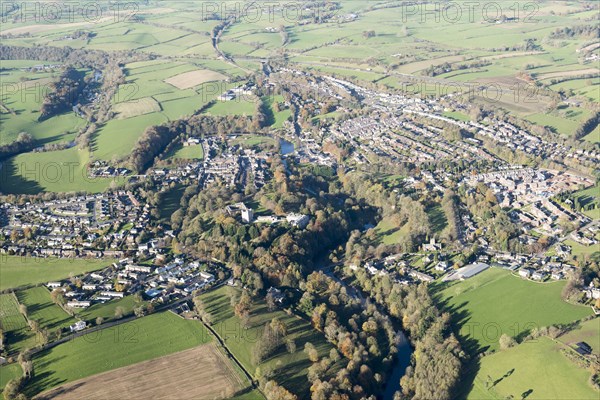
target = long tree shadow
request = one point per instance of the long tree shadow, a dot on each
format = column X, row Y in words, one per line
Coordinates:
column 13, row 179
column 460, row 318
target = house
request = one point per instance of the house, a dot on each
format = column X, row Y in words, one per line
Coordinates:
column 89, row 286
column 592, row 293
column 79, row 303
column 298, row 220
column 525, row 272
column 420, row 276
column 583, row 348
column 231, row 282
column 207, row 277
column 441, row 266
column 112, row 294
column 78, row 326
column 538, row 275
column 54, row 285
column 557, row 275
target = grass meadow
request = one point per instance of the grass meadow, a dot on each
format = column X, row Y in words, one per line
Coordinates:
column 143, row 339
column 495, row 302
column 42, row 309
column 534, row 369
column 18, row 271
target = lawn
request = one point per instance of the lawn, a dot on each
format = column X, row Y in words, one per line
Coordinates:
column 143, row 339
column 457, row 115
column 496, row 302
column 40, row 308
column 18, row 335
column 19, row 271
column 292, row 368
column 536, row 370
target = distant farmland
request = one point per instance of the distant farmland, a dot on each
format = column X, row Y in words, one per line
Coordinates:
column 194, row 78
column 137, row 107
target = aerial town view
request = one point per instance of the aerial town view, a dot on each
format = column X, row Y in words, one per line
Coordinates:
column 300, row 200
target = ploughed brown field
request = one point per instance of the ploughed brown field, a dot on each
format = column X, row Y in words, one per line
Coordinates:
column 199, row 373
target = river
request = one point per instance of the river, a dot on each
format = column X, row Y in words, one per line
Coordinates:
column 402, row 361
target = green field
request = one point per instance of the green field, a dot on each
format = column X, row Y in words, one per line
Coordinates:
column 388, row 233
column 139, row 340
column 588, row 331
column 586, row 198
column 291, row 372
column 8, row 372
column 578, row 249
column 17, row 333
column 495, row 302
column 40, row 308
column 536, row 368
column 252, row 395
column 23, row 94
column 233, row 107
column 195, row 152
column 437, row 218
column 19, row 271
column 107, row 310
column 51, row 171
column 253, row 140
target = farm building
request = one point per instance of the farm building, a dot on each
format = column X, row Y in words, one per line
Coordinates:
column 467, row 271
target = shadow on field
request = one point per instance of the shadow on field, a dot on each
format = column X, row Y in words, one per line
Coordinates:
column 460, row 316
column 12, row 182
